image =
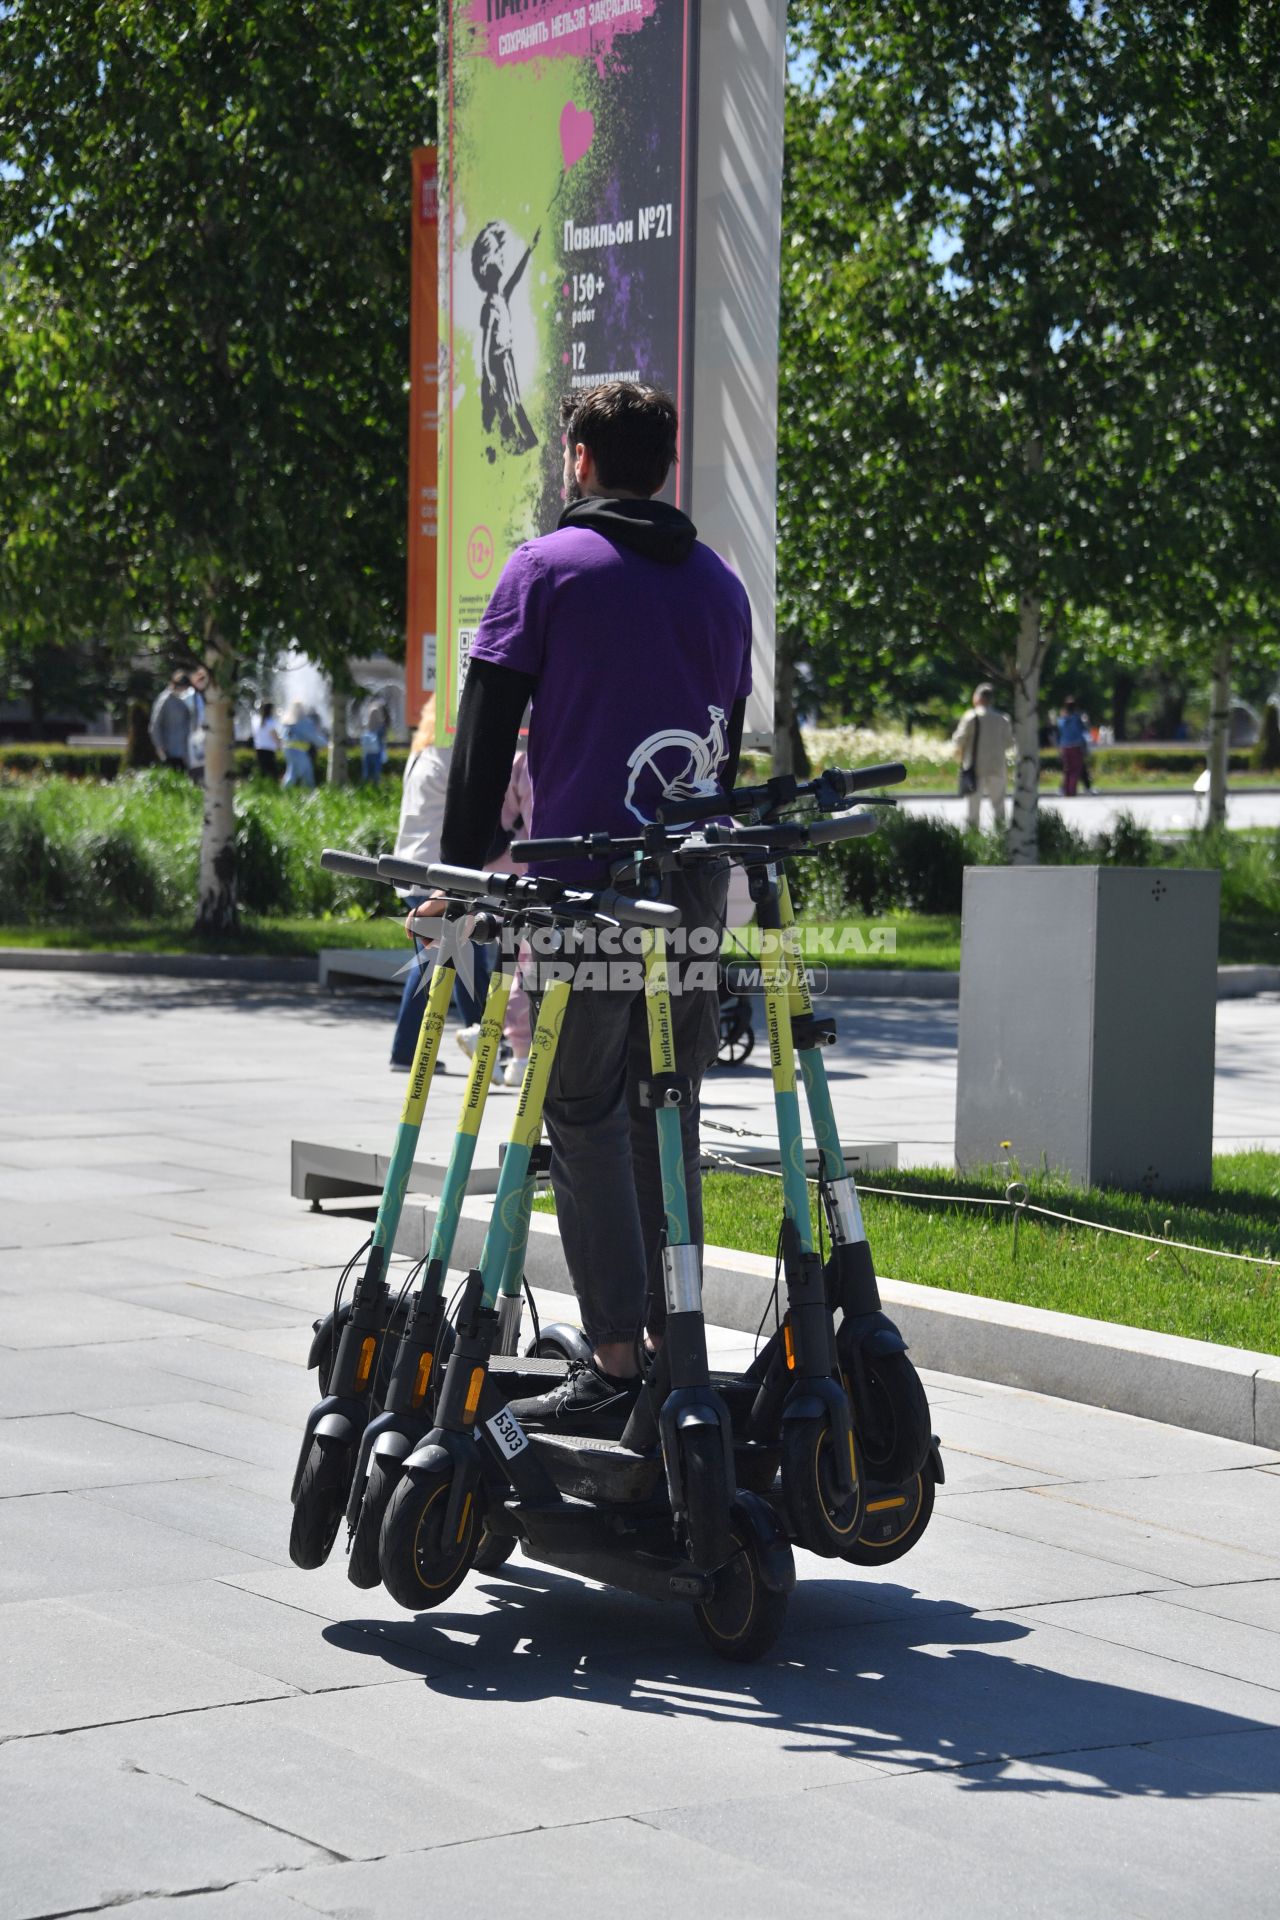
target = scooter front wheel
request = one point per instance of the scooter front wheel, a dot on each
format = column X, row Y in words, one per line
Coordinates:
column 743, row 1617
column 420, row 1567
column 894, row 1428
column 822, row 1519
column 321, row 1501
column 894, row 1520
column 363, row 1569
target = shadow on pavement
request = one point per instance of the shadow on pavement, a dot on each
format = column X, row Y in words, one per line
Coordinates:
column 929, row 1686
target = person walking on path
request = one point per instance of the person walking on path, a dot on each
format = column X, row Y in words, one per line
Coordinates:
column 983, row 741
column 1073, row 736
column 170, row 724
column 633, row 641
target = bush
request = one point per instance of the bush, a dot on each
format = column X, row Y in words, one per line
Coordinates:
column 112, row 867
column 1128, row 844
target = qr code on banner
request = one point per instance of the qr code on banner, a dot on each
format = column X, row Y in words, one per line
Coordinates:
column 466, row 636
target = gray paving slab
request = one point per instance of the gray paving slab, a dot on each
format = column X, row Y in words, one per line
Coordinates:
column 1060, row 1703
column 57, row 1544
column 1125, row 1832
column 624, row 1866
column 1256, row 1603
column 1164, row 1552
column 68, row 1452
column 81, row 1669
column 83, row 1833
column 1213, row 1642
column 221, row 1511
column 265, row 1637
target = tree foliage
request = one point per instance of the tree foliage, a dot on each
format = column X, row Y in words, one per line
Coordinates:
column 1026, row 298
column 203, row 335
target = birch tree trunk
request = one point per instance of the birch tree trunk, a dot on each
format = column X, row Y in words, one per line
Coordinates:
column 216, row 912
column 1024, row 827
column 1219, row 734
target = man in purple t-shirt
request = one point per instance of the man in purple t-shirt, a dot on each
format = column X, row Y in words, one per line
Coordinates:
column 633, row 642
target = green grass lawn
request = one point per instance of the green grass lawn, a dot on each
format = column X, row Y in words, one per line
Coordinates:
column 920, row 940
column 1070, row 1268
column 1067, row 1267
column 287, row 938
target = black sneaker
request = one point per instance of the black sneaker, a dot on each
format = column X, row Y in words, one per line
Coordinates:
column 586, row 1401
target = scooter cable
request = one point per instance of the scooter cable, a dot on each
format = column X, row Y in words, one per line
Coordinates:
column 383, row 1345
column 772, row 1301
column 343, row 1277
column 533, row 1311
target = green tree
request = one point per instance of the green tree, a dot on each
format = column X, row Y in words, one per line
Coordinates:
column 1000, row 343
column 203, row 332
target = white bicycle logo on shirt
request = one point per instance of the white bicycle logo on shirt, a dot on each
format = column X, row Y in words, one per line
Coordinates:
column 697, row 769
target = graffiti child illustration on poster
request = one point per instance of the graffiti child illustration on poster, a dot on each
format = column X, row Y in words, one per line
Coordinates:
column 500, row 402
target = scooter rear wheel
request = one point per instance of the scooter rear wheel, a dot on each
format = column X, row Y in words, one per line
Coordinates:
column 894, row 1430
column 889, row 1530
column 363, row 1569
column 821, row 1519
column 420, row 1568
column 494, row 1550
column 321, row 1501
column 743, row 1617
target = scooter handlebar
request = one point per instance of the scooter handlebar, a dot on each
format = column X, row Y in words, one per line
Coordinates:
column 403, row 873
column 849, row 826
column 862, row 779
column 637, row 913
column 356, row 866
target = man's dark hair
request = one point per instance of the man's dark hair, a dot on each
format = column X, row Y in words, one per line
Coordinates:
column 630, row 432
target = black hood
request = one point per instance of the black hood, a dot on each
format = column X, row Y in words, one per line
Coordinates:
column 649, row 527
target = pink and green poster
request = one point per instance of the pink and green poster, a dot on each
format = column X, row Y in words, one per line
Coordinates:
column 566, row 156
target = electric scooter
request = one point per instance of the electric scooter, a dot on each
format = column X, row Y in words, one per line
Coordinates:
column 899, row 1456
column 331, row 1438
column 818, row 1385
column 677, row 1525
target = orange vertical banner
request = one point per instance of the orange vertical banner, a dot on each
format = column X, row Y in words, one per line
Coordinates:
column 424, row 436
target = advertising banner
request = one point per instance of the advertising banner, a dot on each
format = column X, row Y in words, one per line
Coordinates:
column 566, row 252
column 424, row 429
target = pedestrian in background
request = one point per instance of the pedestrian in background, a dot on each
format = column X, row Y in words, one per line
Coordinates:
column 266, row 741
column 170, row 723
column 983, row 741
column 1072, row 738
column 373, row 743
column 302, row 735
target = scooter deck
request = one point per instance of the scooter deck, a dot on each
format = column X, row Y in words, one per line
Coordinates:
column 587, row 1467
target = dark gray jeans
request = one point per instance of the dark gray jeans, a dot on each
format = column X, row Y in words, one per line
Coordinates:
column 604, row 1146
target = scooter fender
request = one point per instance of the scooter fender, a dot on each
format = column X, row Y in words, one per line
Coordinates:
column 325, row 1334
column 872, row 1333
column 339, row 1419
column 935, row 1461
column 383, row 1439
column 815, row 1399
column 569, row 1340
column 773, row 1549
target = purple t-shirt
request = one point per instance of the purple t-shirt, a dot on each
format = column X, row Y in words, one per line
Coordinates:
column 638, row 663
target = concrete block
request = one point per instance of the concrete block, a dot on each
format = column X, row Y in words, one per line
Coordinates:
column 1087, row 1008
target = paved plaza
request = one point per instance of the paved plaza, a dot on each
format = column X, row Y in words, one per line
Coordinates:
column 1065, row 1702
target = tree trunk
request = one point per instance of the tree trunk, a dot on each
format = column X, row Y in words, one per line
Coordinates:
column 1024, row 826
column 216, row 912
column 789, row 752
column 138, row 748
column 339, row 771
column 1121, row 695
column 1219, row 734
